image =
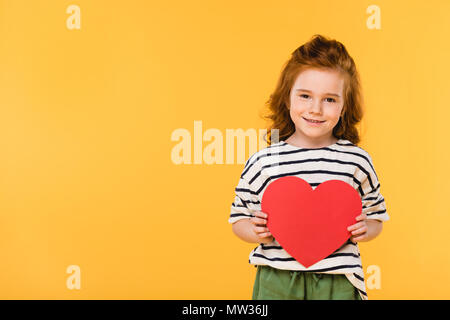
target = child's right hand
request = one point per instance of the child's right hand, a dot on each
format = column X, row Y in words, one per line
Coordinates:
column 260, row 228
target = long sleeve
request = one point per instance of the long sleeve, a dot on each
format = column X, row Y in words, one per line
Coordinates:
column 245, row 201
column 373, row 203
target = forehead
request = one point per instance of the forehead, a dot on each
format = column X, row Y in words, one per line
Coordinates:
column 320, row 81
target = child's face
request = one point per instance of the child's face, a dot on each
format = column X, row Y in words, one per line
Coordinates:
column 321, row 99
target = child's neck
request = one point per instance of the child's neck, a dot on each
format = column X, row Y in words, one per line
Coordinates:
column 307, row 142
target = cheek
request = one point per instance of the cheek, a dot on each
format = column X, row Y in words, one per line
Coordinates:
column 333, row 115
column 333, row 122
column 334, row 118
column 298, row 107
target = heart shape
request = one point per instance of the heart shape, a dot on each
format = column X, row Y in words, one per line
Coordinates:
column 310, row 224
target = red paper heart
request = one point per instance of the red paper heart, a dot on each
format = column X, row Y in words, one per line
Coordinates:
column 310, row 224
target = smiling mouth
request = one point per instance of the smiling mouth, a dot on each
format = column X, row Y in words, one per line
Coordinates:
column 313, row 121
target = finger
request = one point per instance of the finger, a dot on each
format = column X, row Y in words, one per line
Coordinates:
column 361, row 217
column 355, row 226
column 261, row 229
column 265, row 234
column 360, row 230
column 260, row 214
column 360, row 238
column 258, row 221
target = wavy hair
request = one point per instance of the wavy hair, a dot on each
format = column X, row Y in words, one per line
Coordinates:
column 321, row 53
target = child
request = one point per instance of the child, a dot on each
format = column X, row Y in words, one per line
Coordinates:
column 315, row 108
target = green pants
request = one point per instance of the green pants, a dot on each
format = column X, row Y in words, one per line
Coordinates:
column 277, row 284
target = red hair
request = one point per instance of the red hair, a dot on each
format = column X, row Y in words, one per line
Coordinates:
column 321, row 53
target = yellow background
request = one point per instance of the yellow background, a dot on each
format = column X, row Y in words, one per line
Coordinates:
column 86, row 117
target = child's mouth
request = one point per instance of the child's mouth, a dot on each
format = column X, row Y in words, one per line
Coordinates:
column 313, row 122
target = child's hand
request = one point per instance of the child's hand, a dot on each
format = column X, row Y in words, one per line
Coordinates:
column 359, row 229
column 259, row 227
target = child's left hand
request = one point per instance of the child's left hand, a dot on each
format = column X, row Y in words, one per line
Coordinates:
column 359, row 229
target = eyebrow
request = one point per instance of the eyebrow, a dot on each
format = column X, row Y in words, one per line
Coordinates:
column 328, row 94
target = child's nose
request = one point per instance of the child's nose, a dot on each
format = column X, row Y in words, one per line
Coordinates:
column 316, row 106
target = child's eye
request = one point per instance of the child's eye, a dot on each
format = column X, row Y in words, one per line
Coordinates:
column 307, row 96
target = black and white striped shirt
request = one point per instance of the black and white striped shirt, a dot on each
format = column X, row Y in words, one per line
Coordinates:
column 339, row 161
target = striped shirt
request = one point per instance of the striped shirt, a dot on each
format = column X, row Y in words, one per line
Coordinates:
column 340, row 161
